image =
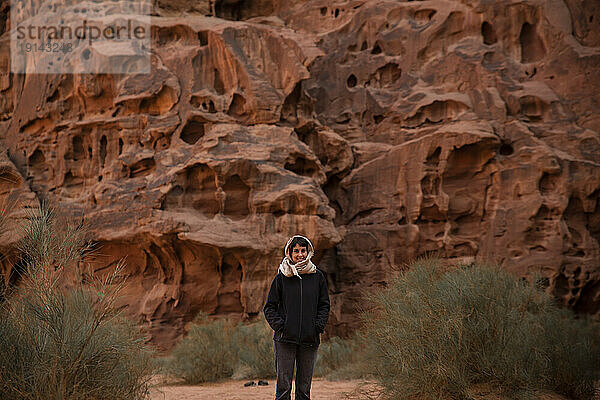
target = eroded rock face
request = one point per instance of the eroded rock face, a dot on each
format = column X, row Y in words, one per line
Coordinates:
column 382, row 130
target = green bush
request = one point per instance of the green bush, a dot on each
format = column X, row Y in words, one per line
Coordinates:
column 68, row 344
column 341, row 358
column 218, row 349
column 437, row 333
column 208, row 352
column 255, row 349
column 63, row 349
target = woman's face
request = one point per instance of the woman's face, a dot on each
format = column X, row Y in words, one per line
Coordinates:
column 299, row 253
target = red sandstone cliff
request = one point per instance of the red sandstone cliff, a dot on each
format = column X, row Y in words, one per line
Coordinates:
column 383, row 130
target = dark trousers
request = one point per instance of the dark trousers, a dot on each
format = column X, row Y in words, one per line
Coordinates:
column 304, row 357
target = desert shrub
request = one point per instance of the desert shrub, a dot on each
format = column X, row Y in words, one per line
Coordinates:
column 437, row 333
column 209, row 351
column 64, row 349
column 215, row 349
column 341, row 358
column 67, row 343
column 255, row 350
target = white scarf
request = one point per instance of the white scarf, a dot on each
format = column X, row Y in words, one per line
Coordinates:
column 287, row 266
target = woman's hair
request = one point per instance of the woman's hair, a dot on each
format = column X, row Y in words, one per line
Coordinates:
column 297, row 240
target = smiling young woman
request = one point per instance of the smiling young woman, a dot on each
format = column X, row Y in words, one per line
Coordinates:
column 297, row 309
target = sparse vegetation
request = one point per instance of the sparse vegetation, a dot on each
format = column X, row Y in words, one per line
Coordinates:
column 341, row 358
column 216, row 349
column 207, row 353
column 436, row 334
column 256, row 351
column 67, row 343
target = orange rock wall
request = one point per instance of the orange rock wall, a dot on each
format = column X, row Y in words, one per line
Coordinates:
column 383, row 130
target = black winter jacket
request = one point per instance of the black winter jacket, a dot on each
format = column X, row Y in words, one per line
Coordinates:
column 298, row 309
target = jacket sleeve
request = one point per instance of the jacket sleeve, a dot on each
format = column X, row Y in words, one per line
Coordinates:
column 322, row 306
column 271, row 308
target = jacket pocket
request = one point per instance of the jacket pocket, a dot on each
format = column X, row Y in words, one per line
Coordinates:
column 309, row 332
column 285, row 331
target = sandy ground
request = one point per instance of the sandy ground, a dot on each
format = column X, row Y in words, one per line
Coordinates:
column 235, row 390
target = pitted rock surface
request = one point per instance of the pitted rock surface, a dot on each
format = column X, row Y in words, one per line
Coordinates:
column 383, row 130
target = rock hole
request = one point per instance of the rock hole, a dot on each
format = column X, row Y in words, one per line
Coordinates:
column 166, row 35
column 78, row 151
column 351, row 81
column 301, row 166
column 103, row 143
column 343, row 119
column 532, row 47
column 533, row 107
column 424, row 16
column 506, row 149
column 386, row 75
column 54, row 96
column 160, row 103
column 488, row 32
column 236, row 197
column 71, row 180
column 289, row 110
column 228, row 293
column 99, row 178
column 192, row 132
column 237, row 106
column 142, row 168
column 205, row 103
column 336, row 13
column 323, row 10
column 120, row 146
column 364, row 46
column 89, row 152
column 203, row 38
column 433, row 159
column 36, row 159
column 376, row 49
column 378, row 118
column 200, row 189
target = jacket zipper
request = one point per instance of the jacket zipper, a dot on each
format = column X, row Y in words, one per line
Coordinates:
column 300, row 325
